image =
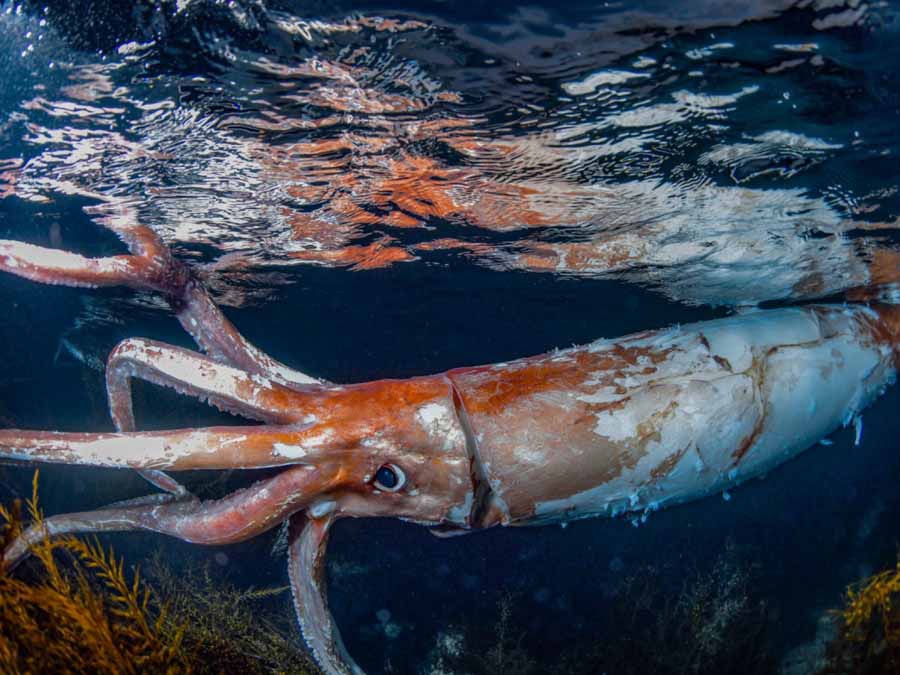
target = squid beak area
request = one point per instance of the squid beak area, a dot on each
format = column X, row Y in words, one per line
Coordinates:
column 308, row 540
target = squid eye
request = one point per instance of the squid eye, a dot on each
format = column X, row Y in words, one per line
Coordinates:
column 389, row 478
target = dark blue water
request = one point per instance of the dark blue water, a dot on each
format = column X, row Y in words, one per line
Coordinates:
column 376, row 190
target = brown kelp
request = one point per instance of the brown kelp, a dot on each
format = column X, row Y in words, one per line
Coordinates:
column 227, row 628
column 715, row 622
column 868, row 639
column 88, row 616
column 77, row 608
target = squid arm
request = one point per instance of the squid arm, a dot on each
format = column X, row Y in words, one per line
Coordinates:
column 614, row 427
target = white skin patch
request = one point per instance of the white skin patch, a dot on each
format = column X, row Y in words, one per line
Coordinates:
column 288, row 374
column 300, row 451
column 459, row 512
column 322, row 508
column 602, row 395
column 217, row 379
column 147, row 451
column 440, row 423
column 530, row 456
column 377, row 442
column 261, row 381
column 735, row 338
column 619, row 425
column 289, row 451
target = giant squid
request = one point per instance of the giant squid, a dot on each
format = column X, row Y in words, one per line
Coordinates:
column 618, row 426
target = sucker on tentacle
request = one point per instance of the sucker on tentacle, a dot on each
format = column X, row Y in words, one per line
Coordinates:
column 623, row 426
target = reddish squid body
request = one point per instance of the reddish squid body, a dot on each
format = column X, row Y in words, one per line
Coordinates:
column 613, row 427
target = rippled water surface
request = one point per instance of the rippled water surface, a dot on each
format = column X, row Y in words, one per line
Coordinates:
column 721, row 155
column 377, row 190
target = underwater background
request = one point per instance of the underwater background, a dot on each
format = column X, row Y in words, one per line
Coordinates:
column 376, row 189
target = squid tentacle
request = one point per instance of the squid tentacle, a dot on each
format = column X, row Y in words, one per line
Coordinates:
column 124, row 421
column 237, row 517
column 308, row 539
column 230, row 447
column 165, row 482
column 219, row 338
column 145, row 500
column 224, row 387
column 150, row 267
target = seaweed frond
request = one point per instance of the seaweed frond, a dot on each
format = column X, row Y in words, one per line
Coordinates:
column 247, row 630
column 12, row 523
column 868, row 639
column 87, row 617
column 77, row 608
column 871, row 606
column 507, row 655
column 712, row 622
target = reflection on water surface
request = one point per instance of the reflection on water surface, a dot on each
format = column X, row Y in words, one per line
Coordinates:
column 723, row 160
